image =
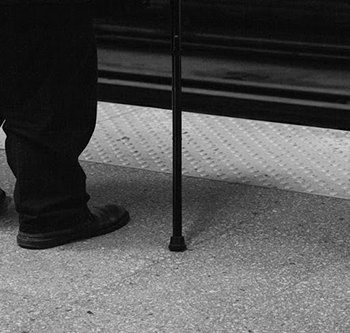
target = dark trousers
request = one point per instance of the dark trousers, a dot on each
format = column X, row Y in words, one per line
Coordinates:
column 48, row 75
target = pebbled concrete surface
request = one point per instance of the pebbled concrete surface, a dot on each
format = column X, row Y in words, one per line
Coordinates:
column 288, row 157
column 259, row 260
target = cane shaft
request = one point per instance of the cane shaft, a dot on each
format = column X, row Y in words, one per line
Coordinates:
column 177, row 241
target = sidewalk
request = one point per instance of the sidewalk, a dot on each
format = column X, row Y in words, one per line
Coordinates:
column 260, row 259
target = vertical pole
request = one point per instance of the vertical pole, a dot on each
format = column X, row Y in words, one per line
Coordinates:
column 177, row 241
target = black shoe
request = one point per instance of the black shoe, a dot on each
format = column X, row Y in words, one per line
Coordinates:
column 101, row 221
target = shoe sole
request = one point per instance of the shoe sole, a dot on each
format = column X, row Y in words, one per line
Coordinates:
column 40, row 242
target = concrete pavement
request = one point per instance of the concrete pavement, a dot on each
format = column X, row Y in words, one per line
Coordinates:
column 260, row 260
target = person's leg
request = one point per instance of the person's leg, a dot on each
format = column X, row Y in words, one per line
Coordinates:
column 50, row 114
column 54, row 115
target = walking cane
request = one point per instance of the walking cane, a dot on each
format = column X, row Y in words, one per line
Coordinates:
column 177, row 241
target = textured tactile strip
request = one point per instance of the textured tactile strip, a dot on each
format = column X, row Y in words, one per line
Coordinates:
column 138, row 138
column 297, row 158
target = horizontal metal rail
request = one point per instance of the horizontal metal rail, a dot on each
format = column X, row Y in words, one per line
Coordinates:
column 234, row 86
column 268, row 102
column 223, row 45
